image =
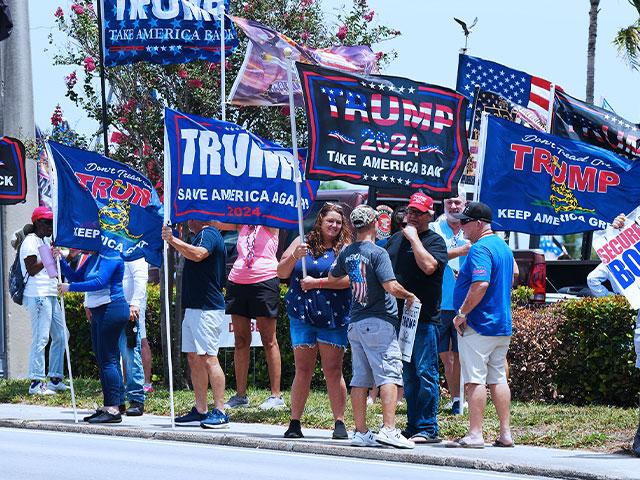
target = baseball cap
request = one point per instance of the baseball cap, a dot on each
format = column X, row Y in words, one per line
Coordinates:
column 41, row 213
column 475, row 211
column 362, row 215
column 421, row 202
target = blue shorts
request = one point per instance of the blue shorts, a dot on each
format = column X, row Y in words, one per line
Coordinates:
column 447, row 335
column 305, row 335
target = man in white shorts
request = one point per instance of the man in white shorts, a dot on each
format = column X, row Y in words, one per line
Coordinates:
column 202, row 281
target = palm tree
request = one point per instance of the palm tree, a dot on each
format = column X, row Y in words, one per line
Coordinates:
column 627, row 40
column 591, row 48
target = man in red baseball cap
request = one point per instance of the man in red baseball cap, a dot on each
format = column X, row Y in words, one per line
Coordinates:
column 419, row 257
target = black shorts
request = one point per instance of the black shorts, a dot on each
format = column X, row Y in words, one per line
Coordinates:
column 254, row 299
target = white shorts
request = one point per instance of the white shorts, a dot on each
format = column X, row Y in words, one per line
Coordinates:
column 201, row 331
column 142, row 324
column 483, row 358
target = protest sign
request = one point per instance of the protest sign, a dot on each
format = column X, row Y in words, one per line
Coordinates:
column 13, row 181
column 219, row 171
column 541, row 184
column 164, row 32
column 98, row 202
column 227, row 338
column 408, row 327
column 619, row 250
column 384, row 131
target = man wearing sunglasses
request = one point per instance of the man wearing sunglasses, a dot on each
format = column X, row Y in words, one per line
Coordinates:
column 419, row 257
column 482, row 297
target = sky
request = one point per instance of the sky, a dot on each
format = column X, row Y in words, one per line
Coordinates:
column 544, row 38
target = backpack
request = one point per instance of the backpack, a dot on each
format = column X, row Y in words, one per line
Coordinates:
column 17, row 281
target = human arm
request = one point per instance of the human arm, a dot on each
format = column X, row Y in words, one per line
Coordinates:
column 595, row 281
column 516, row 273
column 474, row 296
column 291, row 255
column 100, row 280
column 425, row 261
column 330, row 283
column 188, row 251
column 618, row 222
column 459, row 251
column 140, row 273
column 398, row 291
column 29, row 253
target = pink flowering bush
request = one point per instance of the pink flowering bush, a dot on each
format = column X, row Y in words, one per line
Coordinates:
column 59, row 13
column 56, row 118
column 71, row 80
column 89, row 64
column 77, row 8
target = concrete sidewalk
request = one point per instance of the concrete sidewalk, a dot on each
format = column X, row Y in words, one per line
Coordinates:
column 573, row 464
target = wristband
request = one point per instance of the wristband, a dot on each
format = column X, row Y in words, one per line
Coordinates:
column 460, row 314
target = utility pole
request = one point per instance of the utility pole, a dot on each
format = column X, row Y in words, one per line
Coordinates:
column 16, row 120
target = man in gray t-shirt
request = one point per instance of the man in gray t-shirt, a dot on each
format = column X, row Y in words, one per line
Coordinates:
column 375, row 354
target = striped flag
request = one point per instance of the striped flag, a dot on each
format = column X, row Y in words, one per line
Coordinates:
column 516, row 86
column 357, row 270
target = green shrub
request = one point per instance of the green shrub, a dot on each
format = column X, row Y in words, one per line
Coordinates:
column 596, row 350
column 521, row 295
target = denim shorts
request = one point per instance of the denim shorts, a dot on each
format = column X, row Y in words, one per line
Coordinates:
column 304, row 334
column 447, row 334
column 375, row 354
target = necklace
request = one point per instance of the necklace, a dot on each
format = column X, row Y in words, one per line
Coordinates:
column 251, row 243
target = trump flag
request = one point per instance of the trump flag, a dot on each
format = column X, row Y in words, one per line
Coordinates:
column 100, row 203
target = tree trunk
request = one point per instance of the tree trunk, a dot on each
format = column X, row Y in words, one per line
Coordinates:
column 591, row 48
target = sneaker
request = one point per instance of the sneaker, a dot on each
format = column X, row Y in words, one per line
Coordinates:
column 148, row 388
column 366, row 439
column 393, row 438
column 294, row 430
column 215, row 419
column 272, row 403
column 455, row 408
column 58, row 387
column 93, row 415
column 136, row 409
column 40, row 388
column 237, row 401
column 369, row 401
column 340, row 431
column 106, row 417
column 192, row 418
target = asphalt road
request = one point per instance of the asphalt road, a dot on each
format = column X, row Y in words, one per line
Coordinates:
column 29, row 454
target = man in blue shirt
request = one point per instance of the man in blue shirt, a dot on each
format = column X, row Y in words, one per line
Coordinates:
column 482, row 297
column 202, row 282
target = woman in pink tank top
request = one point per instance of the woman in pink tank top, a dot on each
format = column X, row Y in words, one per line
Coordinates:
column 253, row 291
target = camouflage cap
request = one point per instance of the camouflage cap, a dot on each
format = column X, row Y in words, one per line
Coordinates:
column 362, row 215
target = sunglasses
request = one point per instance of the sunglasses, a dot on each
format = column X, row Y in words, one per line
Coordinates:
column 464, row 221
column 330, row 205
column 415, row 213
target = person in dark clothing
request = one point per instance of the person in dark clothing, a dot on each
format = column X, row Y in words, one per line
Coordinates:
column 419, row 257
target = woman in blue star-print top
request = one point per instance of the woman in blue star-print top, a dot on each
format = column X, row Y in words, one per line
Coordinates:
column 318, row 311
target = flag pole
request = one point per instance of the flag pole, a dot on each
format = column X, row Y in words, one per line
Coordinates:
column 552, row 99
column 223, row 66
column 166, row 185
column 53, row 175
column 105, row 126
column 480, row 156
column 294, row 141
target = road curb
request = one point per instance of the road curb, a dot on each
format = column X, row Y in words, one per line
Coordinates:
column 220, row 438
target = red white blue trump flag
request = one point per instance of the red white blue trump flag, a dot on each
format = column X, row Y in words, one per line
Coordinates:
column 384, row 131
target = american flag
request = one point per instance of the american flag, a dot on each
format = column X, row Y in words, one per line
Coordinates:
column 516, row 86
column 358, row 277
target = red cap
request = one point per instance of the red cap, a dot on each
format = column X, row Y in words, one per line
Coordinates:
column 41, row 213
column 421, row 202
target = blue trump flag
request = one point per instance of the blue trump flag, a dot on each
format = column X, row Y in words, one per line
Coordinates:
column 541, row 184
column 219, row 171
column 100, row 203
column 164, row 31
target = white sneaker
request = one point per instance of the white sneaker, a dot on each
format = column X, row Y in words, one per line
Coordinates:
column 40, row 388
column 366, row 439
column 57, row 387
column 272, row 403
column 393, row 437
column 369, row 401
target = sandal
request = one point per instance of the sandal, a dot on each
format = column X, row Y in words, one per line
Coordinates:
column 462, row 443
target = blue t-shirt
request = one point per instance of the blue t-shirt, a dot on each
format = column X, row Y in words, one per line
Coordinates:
column 368, row 267
column 489, row 260
column 202, row 282
column 442, row 228
column 322, row 307
column 99, row 272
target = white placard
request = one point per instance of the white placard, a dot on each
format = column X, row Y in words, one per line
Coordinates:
column 408, row 328
column 619, row 250
column 226, row 336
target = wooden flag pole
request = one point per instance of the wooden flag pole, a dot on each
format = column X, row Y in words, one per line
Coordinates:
column 294, row 142
column 166, row 185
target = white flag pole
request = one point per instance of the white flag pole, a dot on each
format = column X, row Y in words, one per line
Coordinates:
column 552, row 99
column 223, row 66
column 53, row 175
column 480, row 156
column 166, row 185
column 294, row 141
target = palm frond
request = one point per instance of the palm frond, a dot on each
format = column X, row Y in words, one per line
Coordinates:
column 627, row 41
column 635, row 4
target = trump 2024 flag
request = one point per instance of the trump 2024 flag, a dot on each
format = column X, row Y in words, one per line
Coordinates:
column 219, row 171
